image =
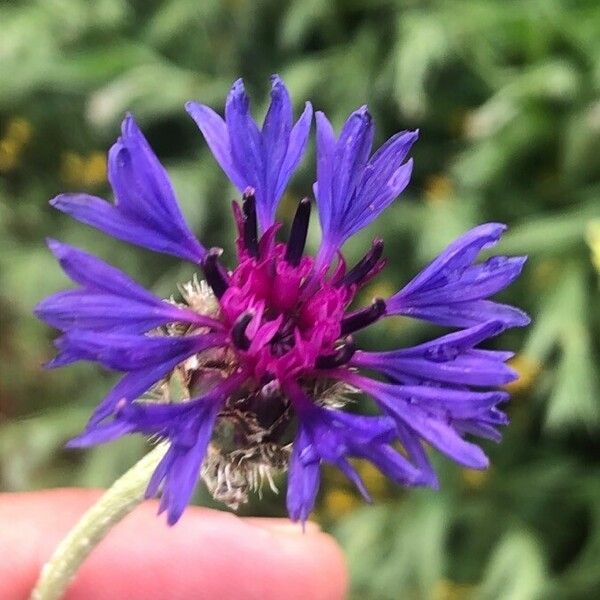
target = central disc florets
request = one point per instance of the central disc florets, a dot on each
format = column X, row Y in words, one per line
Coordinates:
column 278, row 324
column 287, row 316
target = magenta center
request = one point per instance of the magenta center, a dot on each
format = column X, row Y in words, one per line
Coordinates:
column 287, row 318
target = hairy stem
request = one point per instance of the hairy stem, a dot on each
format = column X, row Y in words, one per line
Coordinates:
column 115, row 504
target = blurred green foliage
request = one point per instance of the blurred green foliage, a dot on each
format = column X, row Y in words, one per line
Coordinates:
column 507, row 96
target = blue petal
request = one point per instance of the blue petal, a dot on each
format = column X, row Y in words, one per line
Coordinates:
column 448, row 359
column 350, row 158
column 187, row 426
column 252, row 158
column 145, row 212
column 303, row 480
column 130, row 387
column 387, row 174
column 127, row 352
column 333, row 436
column 323, row 188
column 295, row 150
column 109, row 299
column 453, row 291
column 79, row 309
column 276, row 131
column 416, row 453
column 216, row 134
column 352, row 190
column 429, row 412
column 245, row 139
column 463, row 314
column 183, row 470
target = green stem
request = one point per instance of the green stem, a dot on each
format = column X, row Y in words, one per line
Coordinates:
column 115, row 504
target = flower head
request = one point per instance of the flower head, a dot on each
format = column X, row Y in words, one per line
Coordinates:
column 263, row 352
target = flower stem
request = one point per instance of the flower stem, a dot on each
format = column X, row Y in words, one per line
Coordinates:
column 115, row 504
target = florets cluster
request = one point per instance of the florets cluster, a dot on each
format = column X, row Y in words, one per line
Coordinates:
column 249, row 371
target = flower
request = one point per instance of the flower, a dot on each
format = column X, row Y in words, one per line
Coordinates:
column 264, row 353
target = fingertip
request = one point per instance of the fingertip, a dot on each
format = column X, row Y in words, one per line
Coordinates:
column 207, row 554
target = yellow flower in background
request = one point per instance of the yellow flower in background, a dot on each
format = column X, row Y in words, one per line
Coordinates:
column 592, row 237
column 546, row 273
column 84, row 171
column 338, row 502
column 528, row 370
column 18, row 134
column 449, row 590
column 474, row 478
column 438, row 189
column 374, row 480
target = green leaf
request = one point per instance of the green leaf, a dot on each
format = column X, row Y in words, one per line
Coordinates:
column 515, row 571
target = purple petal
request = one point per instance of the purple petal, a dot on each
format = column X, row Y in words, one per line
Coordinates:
column 95, row 274
column 416, row 453
column 350, row 156
column 276, row 134
column 260, row 159
column 303, row 480
column 442, row 436
column 130, row 388
column 187, row 426
column 366, row 429
column 392, row 464
column 323, row 188
column 477, row 281
column 146, row 211
column 461, row 371
column 432, row 427
column 333, row 436
column 458, row 255
column 350, row 472
column 295, row 150
column 383, row 179
column 452, row 290
column 483, row 430
column 216, row 134
column 100, row 434
column 79, row 309
column 352, row 190
column 245, row 139
column 109, row 300
column 126, row 352
column 462, row 314
column 447, row 359
column 184, row 469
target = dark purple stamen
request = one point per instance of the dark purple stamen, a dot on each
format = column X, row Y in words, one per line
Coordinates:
column 250, row 222
column 215, row 273
column 238, row 331
column 297, row 241
column 283, row 341
column 363, row 267
column 338, row 358
column 364, row 317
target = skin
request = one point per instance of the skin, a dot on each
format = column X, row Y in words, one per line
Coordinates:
column 208, row 555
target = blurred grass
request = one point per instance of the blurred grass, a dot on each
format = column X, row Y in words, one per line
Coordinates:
column 507, row 97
